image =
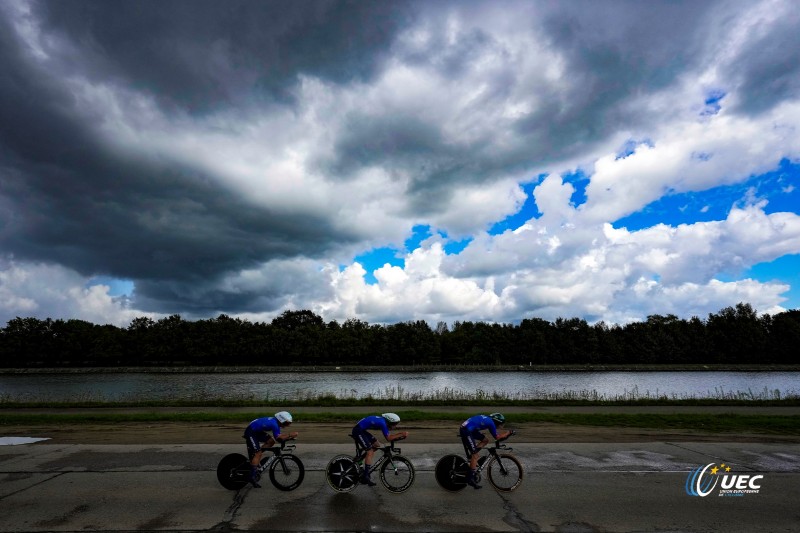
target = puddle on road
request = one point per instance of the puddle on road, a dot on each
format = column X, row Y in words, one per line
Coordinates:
column 14, row 441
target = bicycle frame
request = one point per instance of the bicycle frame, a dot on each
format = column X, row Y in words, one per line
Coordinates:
column 484, row 460
column 452, row 471
column 286, row 471
column 387, row 450
column 396, row 473
column 277, row 452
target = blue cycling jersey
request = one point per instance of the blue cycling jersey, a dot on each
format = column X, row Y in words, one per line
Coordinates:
column 479, row 422
column 262, row 426
column 374, row 422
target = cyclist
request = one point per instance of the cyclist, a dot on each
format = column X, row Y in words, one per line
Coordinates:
column 363, row 438
column 474, row 440
column 257, row 437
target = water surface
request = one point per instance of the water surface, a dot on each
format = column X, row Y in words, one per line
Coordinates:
column 397, row 385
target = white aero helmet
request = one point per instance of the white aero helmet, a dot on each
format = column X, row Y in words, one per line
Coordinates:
column 283, row 417
column 391, row 418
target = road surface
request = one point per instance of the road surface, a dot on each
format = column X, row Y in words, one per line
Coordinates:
column 578, row 487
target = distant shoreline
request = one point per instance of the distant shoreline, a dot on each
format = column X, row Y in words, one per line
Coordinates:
column 188, row 369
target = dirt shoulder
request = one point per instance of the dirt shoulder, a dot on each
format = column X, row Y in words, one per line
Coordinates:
column 205, row 433
column 421, row 432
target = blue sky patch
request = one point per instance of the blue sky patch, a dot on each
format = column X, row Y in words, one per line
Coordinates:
column 780, row 189
column 528, row 211
column 419, row 233
column 579, row 180
column 629, row 148
column 376, row 258
column 785, row 269
column 117, row 287
column 456, row 247
column 712, row 102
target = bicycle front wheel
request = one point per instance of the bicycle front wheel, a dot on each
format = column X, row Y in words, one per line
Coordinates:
column 397, row 474
column 342, row 473
column 505, row 472
column 451, row 472
column 286, row 472
column 233, row 471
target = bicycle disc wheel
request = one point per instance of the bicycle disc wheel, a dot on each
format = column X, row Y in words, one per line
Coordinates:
column 397, row 474
column 451, row 472
column 505, row 472
column 286, row 472
column 233, row 471
column 342, row 473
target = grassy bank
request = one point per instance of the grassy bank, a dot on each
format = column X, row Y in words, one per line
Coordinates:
column 333, row 402
column 397, row 395
column 760, row 424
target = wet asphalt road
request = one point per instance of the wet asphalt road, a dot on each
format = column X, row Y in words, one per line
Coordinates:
column 567, row 487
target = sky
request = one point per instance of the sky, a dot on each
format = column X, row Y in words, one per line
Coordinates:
column 395, row 161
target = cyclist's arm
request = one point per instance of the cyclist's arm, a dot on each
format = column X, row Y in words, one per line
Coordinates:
column 503, row 434
column 396, row 436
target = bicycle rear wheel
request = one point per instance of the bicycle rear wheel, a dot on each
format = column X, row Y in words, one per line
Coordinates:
column 451, row 472
column 505, row 472
column 342, row 473
column 233, row 471
column 286, row 472
column 397, row 474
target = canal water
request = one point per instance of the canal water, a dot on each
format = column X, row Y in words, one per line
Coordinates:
column 288, row 386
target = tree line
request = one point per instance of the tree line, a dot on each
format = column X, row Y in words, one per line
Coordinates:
column 734, row 335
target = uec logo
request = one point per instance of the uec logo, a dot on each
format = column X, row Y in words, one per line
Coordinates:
column 703, row 480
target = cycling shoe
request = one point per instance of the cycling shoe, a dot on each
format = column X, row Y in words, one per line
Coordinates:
column 472, row 482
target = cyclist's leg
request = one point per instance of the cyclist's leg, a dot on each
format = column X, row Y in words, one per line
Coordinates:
column 254, row 453
column 473, row 442
column 369, row 443
column 370, row 453
column 366, row 476
column 363, row 442
column 473, row 460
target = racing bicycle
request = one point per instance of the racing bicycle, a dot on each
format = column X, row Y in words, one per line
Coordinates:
column 396, row 472
column 504, row 471
column 286, row 471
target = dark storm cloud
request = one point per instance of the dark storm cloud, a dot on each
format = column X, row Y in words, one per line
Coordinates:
column 201, row 54
column 68, row 200
column 203, row 298
column 768, row 72
column 182, row 233
column 612, row 56
column 611, row 53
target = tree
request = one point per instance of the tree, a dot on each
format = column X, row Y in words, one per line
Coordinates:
column 28, row 342
column 294, row 320
column 737, row 335
column 784, row 337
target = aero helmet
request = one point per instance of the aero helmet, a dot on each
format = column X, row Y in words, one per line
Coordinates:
column 391, row 418
column 283, row 417
column 498, row 418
